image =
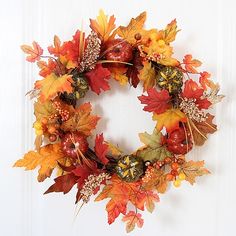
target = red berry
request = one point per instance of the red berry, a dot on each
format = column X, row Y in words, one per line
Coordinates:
column 119, row 50
column 174, row 172
column 52, row 138
column 177, row 142
column 167, row 160
column 71, row 142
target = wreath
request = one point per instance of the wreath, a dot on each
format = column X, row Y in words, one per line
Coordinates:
column 178, row 95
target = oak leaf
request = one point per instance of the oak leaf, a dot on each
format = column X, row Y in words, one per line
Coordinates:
column 193, row 169
column 169, row 119
column 135, row 26
column 148, row 75
column 47, row 158
column 82, row 120
column 200, row 130
column 191, row 64
column 98, row 79
column 133, row 219
column 34, row 52
column 52, row 85
column 155, row 149
column 101, row 149
column 103, row 26
column 155, row 101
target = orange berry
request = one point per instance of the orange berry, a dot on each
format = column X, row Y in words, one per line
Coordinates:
column 174, row 172
column 175, row 166
column 51, row 129
column 44, row 121
column 169, row 177
column 167, row 160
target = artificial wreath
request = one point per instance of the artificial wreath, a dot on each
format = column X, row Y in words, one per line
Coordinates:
column 178, row 95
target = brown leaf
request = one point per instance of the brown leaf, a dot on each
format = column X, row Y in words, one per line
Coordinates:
column 200, row 130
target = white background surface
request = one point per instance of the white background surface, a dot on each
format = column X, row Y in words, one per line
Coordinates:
column 208, row 32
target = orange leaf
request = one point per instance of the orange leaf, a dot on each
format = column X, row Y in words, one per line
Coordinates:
column 46, row 68
column 52, row 84
column 148, row 75
column 170, row 32
column 34, row 52
column 82, row 120
column 118, row 73
column 47, row 158
column 102, row 26
column 135, row 26
column 56, row 49
column 169, row 119
column 133, row 219
column 191, row 64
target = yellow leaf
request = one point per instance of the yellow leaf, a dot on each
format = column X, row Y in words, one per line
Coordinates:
column 103, row 26
column 52, row 84
column 170, row 32
column 148, row 75
column 135, row 26
column 46, row 158
column 82, row 120
column 118, row 73
column 115, row 151
column 169, row 119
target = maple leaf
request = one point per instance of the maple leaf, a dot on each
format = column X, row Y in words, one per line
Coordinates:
column 155, row 149
column 97, row 79
column 135, row 26
column 169, row 119
column 34, row 53
column 114, row 149
column 56, row 49
column 82, row 120
column 170, row 32
column 103, row 26
column 157, row 181
column 190, row 64
column 199, row 130
column 46, row 158
column 133, row 219
column 46, row 68
column 42, row 110
column 148, row 75
column 193, row 169
column 51, row 85
column 101, row 149
column 118, row 73
column 120, row 193
column 157, row 102
column 63, row 183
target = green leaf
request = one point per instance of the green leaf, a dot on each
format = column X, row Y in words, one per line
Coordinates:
column 155, row 150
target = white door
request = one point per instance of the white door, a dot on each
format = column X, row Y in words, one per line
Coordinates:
column 208, row 32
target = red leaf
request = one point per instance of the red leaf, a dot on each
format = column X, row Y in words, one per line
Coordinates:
column 83, row 171
column 101, row 149
column 191, row 64
column 63, row 183
column 34, row 52
column 157, row 102
column 97, row 79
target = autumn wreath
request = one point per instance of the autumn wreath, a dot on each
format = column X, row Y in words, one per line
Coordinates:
column 177, row 94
